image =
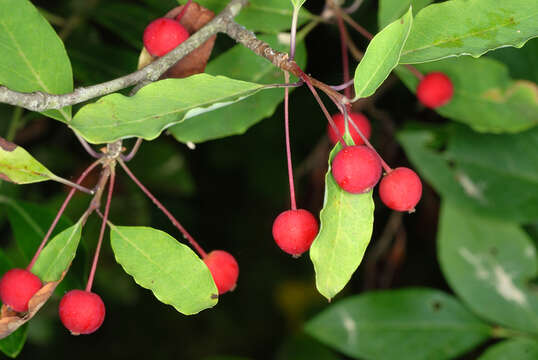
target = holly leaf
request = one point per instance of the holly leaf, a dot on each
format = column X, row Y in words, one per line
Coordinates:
column 391, row 10
column 346, row 228
column 19, row 167
column 381, row 56
column 485, row 96
column 268, row 16
column 170, row 269
column 242, row 64
column 33, row 56
column 417, row 323
column 58, row 254
column 489, row 263
column 519, row 348
column 157, row 106
column 462, row 27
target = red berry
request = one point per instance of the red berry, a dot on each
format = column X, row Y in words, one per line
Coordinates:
column 223, row 268
column 356, row 169
column 82, row 312
column 359, row 119
column 163, row 35
column 294, row 231
column 400, row 189
column 435, row 90
column 17, row 287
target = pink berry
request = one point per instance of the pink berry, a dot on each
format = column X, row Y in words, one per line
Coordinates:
column 82, row 312
column 435, row 90
column 17, row 287
column 356, row 169
column 359, row 119
column 223, row 268
column 163, row 35
column 294, row 231
column 401, row 189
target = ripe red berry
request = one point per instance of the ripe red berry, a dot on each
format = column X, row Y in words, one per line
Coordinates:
column 359, row 119
column 17, row 287
column 356, row 169
column 163, row 35
column 435, row 90
column 81, row 312
column 400, row 189
column 294, row 231
column 223, row 268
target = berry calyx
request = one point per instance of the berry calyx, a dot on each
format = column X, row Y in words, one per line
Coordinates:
column 435, row 90
column 223, row 268
column 356, row 169
column 17, row 287
column 294, row 231
column 401, row 189
column 163, row 35
column 359, row 119
column 81, row 312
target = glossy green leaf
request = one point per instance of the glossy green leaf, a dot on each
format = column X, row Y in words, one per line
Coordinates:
column 381, row 56
column 463, row 27
column 269, row 16
column 242, row 64
column 493, row 175
column 58, row 254
column 346, row 228
column 19, row 167
column 485, row 97
column 402, row 324
column 157, row 106
column 12, row 345
column 520, row 349
column 33, row 56
column 391, row 10
column 29, row 223
column 488, row 263
column 170, row 269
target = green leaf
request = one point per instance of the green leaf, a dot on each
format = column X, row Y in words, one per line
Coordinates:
column 12, row 345
column 298, row 3
column 520, row 349
column 381, row 56
column 242, row 64
column 493, row 175
column 269, row 16
column 19, row 167
column 462, row 27
column 391, row 10
column 171, row 270
column 157, row 106
column 346, row 228
column 33, row 56
column 29, row 223
column 485, row 97
column 58, row 254
column 522, row 63
column 402, row 324
column 488, row 263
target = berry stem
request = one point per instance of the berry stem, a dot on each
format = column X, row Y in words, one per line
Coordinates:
column 134, row 150
column 59, row 214
column 343, row 86
column 345, row 59
column 386, row 167
column 103, row 226
column 293, row 32
column 288, row 147
column 183, row 11
column 87, row 147
column 161, row 207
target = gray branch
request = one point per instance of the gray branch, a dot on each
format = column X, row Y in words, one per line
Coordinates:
column 41, row 101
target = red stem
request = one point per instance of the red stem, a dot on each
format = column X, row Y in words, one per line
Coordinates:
column 59, row 214
column 288, row 147
column 172, row 219
column 102, row 231
column 182, row 12
column 345, row 59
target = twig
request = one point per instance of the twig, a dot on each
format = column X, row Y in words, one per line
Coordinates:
column 133, row 152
